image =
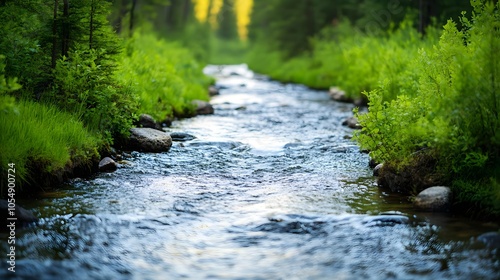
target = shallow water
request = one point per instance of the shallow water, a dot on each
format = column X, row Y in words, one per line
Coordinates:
column 270, row 189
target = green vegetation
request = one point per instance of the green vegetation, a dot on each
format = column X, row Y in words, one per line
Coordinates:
column 448, row 110
column 165, row 77
column 40, row 139
column 348, row 58
column 433, row 96
column 80, row 86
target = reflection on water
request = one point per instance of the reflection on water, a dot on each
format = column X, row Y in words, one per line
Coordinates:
column 269, row 189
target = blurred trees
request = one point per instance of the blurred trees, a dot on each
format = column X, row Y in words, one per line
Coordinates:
column 286, row 25
column 227, row 21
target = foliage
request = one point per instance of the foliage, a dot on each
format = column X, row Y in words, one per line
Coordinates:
column 165, row 77
column 449, row 105
column 80, row 90
column 41, row 135
column 379, row 59
column 6, row 85
column 91, row 92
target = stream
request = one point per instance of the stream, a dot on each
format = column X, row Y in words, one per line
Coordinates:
column 271, row 188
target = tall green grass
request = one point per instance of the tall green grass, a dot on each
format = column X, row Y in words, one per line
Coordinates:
column 348, row 58
column 41, row 135
column 164, row 75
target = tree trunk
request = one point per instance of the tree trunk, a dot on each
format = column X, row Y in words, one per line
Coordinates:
column 426, row 12
column 187, row 11
column 131, row 25
column 65, row 29
column 54, row 34
column 310, row 18
column 91, row 24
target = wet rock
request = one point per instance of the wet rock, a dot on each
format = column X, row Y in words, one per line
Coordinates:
column 167, row 122
column 433, row 199
column 149, row 140
column 360, row 102
column 372, row 163
column 385, row 220
column 181, row 136
column 22, row 215
column 376, row 170
column 212, row 91
column 415, row 176
column 490, row 239
column 146, row 120
column 203, row 107
column 352, row 122
column 339, row 95
column 107, row 165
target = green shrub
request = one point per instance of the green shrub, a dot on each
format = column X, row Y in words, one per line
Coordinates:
column 449, row 105
column 164, row 75
column 89, row 90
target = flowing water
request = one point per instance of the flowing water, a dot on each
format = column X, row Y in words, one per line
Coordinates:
column 271, row 188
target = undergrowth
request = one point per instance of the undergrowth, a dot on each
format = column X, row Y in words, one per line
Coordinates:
column 42, row 135
column 164, row 76
column 449, row 104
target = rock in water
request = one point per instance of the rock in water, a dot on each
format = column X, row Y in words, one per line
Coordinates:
column 339, row 95
column 203, row 107
column 212, row 90
column 433, row 199
column 181, row 136
column 23, row 216
column 107, row 165
column 352, row 122
column 146, row 120
column 376, row 170
column 490, row 239
column 149, row 140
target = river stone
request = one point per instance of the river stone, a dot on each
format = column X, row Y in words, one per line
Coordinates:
column 23, row 216
column 352, row 122
column 433, row 199
column 372, row 163
column 376, row 170
column 339, row 95
column 212, row 90
column 490, row 239
column 181, row 136
column 107, row 165
column 203, row 107
column 149, row 140
column 146, row 120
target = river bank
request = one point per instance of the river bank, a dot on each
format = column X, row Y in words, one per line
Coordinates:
column 431, row 126
column 269, row 188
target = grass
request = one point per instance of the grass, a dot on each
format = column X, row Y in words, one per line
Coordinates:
column 42, row 135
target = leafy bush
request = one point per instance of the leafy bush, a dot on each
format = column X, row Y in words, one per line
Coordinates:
column 164, row 75
column 449, row 106
column 90, row 91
